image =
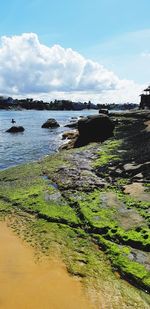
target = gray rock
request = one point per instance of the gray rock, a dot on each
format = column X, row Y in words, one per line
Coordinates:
column 50, row 123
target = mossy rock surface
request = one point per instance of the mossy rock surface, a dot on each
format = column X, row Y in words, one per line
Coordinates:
column 76, row 201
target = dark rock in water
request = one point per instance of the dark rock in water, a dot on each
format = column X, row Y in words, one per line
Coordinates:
column 72, row 125
column 50, row 123
column 15, row 129
column 96, row 128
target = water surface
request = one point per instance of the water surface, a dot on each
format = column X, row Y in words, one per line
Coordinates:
column 34, row 142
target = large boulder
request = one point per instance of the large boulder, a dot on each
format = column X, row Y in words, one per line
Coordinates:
column 73, row 125
column 50, row 123
column 95, row 128
column 15, row 129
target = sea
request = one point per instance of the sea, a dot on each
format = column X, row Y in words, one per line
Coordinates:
column 35, row 142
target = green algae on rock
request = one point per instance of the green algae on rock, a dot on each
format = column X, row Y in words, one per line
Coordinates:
column 75, row 201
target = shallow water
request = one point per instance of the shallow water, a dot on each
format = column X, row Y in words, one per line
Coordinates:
column 34, row 142
column 28, row 284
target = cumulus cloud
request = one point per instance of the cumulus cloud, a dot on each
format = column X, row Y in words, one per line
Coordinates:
column 28, row 67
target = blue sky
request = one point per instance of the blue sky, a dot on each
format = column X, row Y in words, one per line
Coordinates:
column 114, row 33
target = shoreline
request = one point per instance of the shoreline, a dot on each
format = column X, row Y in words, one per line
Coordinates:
column 34, row 142
column 29, row 281
column 76, row 199
column 111, row 114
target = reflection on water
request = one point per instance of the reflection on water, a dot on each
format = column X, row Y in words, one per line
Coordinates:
column 34, row 142
column 26, row 284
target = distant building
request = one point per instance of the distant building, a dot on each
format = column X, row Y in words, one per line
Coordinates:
column 145, row 99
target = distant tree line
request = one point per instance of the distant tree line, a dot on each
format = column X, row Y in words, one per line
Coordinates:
column 29, row 103
column 118, row 106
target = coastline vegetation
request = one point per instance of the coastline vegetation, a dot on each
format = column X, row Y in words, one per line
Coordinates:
column 29, row 104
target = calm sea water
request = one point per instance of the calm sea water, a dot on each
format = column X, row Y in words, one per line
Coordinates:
column 34, row 142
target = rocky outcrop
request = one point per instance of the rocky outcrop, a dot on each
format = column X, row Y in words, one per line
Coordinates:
column 72, row 125
column 94, row 129
column 15, row 129
column 70, row 135
column 90, row 191
column 50, row 123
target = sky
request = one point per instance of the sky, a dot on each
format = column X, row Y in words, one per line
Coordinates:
column 96, row 50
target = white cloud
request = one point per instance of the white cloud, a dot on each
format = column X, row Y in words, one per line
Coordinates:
column 145, row 54
column 127, row 54
column 28, row 68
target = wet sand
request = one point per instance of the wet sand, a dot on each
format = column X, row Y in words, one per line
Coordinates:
column 28, row 284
